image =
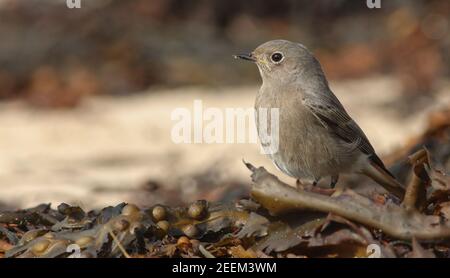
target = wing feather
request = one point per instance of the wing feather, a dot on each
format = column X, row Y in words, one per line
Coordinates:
column 332, row 116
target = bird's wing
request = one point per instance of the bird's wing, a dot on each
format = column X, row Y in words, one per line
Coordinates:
column 332, row 115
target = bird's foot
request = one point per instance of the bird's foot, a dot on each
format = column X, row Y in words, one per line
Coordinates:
column 308, row 186
column 337, row 191
column 334, row 180
column 323, row 191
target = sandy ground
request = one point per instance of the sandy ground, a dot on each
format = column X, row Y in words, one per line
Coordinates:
column 102, row 152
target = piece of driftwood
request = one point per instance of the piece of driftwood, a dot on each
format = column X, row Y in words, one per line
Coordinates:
column 403, row 221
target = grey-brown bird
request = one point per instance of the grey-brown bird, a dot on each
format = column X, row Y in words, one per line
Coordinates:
column 317, row 137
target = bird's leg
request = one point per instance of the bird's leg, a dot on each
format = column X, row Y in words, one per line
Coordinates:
column 339, row 189
column 316, row 181
column 320, row 190
column 334, row 180
column 299, row 184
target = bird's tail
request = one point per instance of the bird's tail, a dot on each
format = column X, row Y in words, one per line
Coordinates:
column 382, row 176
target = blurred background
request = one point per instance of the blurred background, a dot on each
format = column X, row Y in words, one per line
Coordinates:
column 86, row 94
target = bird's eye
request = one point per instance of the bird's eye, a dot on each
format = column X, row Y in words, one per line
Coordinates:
column 277, row 57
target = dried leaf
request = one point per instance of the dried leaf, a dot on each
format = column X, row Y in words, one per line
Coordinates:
column 256, row 225
column 240, row 252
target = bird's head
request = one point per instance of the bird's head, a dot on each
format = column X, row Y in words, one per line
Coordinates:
column 281, row 60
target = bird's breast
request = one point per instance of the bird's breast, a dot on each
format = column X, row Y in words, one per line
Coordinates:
column 305, row 147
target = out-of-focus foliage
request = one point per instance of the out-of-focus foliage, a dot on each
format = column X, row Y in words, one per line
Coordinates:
column 54, row 55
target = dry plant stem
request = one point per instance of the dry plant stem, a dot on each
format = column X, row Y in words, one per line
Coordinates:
column 415, row 191
column 394, row 220
column 412, row 193
column 205, row 252
column 122, row 249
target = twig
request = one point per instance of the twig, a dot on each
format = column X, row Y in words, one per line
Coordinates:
column 205, row 252
column 125, row 253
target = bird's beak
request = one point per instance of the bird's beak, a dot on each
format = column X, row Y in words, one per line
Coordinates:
column 248, row 57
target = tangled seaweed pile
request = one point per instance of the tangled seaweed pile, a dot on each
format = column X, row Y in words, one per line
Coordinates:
column 278, row 221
